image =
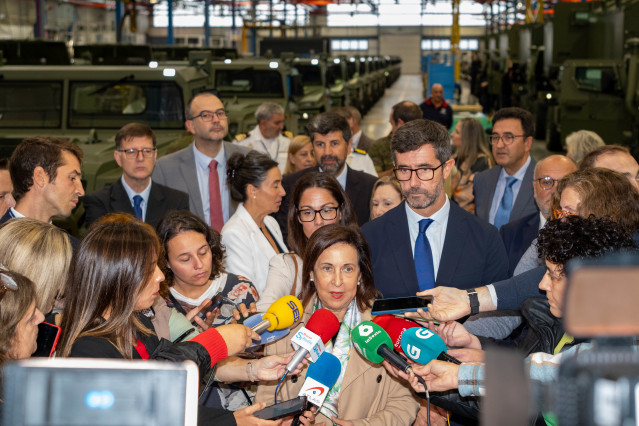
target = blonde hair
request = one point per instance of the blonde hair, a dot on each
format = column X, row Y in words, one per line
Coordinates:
column 41, row 252
column 581, row 143
column 385, row 180
column 297, row 143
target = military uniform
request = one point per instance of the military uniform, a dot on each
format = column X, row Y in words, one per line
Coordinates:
column 380, row 153
column 276, row 148
column 359, row 159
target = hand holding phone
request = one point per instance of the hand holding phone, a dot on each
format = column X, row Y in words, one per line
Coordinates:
column 292, row 407
column 400, row 305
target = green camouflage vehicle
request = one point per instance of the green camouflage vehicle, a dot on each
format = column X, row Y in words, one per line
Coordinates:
column 243, row 85
column 337, row 74
column 354, row 84
column 316, row 94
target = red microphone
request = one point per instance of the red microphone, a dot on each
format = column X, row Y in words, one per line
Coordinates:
column 395, row 327
column 320, row 328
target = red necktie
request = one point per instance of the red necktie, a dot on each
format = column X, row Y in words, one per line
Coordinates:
column 215, row 200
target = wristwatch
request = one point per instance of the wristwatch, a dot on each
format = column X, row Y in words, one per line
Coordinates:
column 474, row 301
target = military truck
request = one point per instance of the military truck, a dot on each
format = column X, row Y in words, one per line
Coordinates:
column 315, row 98
column 244, row 84
column 337, row 78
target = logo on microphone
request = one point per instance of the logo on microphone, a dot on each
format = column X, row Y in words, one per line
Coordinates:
column 316, row 391
column 296, row 312
column 365, row 330
column 424, row 333
column 413, row 352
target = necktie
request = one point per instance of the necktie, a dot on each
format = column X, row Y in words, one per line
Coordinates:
column 215, row 200
column 137, row 206
column 506, row 205
column 424, row 258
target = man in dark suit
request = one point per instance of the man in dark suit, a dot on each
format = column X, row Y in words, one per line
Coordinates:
column 459, row 247
column 504, row 193
column 331, row 138
column 191, row 169
column 135, row 192
column 519, row 235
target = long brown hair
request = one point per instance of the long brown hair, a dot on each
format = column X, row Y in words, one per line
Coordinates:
column 13, row 307
column 328, row 236
column 473, row 143
column 113, row 263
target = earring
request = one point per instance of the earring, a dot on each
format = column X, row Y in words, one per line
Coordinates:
column 254, row 196
column 358, row 282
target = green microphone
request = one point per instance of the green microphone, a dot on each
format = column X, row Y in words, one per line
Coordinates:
column 376, row 345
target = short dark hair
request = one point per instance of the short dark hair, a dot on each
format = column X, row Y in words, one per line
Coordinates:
column 589, row 160
column 43, row 151
column 187, row 107
column 176, row 222
column 328, row 236
column 561, row 240
column 407, row 111
column 328, row 122
column 242, row 170
column 134, row 130
column 296, row 239
column 525, row 118
column 4, row 163
column 411, row 136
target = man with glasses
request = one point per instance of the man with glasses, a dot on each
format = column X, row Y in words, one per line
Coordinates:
column 428, row 241
column 135, row 193
column 504, row 193
column 520, row 234
column 200, row 169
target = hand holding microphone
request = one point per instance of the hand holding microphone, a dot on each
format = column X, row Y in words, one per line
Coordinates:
column 374, row 344
column 422, row 346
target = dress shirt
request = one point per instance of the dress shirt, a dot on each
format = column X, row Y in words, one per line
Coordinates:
column 436, row 232
column 202, row 162
column 144, row 194
column 501, row 187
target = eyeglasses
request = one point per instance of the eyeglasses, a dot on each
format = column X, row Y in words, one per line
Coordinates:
column 6, row 283
column 546, row 182
column 423, row 173
column 326, row 213
column 133, row 153
column 561, row 214
column 507, row 138
column 207, row 116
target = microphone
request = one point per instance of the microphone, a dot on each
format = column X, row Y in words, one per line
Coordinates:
column 422, row 346
column 320, row 378
column 283, row 313
column 395, row 327
column 376, row 345
column 320, row 328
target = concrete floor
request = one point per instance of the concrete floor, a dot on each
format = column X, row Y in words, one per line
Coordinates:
column 410, row 88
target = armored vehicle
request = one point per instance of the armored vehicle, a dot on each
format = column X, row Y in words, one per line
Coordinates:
column 315, row 99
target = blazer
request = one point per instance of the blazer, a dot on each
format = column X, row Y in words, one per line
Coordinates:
column 115, row 199
column 282, row 274
column 248, row 252
column 369, row 395
column 517, row 237
column 484, row 190
column 177, row 170
column 73, row 240
column 359, row 188
column 473, row 254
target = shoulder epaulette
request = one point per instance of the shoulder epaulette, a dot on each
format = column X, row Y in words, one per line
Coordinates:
column 288, row 134
column 360, row 151
column 239, row 137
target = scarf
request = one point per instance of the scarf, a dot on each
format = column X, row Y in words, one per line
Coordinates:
column 341, row 349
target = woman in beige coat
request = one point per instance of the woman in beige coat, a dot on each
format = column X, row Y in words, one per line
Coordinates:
column 338, row 277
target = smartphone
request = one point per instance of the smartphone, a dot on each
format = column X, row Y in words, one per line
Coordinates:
column 216, row 301
column 400, row 305
column 292, row 407
column 48, row 335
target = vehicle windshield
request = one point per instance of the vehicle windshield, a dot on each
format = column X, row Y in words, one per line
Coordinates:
column 249, row 82
column 28, row 104
column 333, row 73
column 311, row 74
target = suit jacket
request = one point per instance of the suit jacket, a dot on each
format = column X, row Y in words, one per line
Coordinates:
column 365, row 142
column 248, row 252
column 484, row 190
column 473, row 254
column 517, row 237
column 359, row 188
column 368, row 396
column 115, row 199
column 73, row 240
column 178, row 171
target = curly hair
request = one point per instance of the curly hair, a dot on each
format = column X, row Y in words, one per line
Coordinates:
column 604, row 193
column 174, row 223
column 576, row 237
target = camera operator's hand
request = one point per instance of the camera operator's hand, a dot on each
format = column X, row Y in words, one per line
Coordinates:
column 454, row 334
column 439, row 376
column 245, row 416
column 237, row 337
column 272, row 367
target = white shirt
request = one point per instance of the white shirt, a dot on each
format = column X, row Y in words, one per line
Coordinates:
column 436, row 232
column 362, row 162
column 276, row 148
column 214, row 288
column 144, row 194
column 501, row 187
column 202, row 162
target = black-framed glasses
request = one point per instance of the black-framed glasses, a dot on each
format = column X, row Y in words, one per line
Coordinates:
column 423, row 173
column 207, row 116
column 326, row 213
column 6, row 283
column 507, row 138
column 546, row 182
column 133, row 153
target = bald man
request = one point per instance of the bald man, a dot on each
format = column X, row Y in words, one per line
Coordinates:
column 520, row 234
column 614, row 157
column 436, row 108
